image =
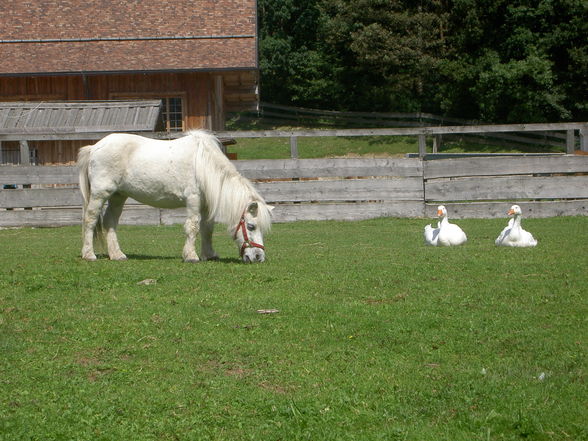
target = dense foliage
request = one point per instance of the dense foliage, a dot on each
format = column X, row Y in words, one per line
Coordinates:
column 493, row 60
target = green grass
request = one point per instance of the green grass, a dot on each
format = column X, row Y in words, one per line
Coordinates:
column 321, row 147
column 370, row 146
column 377, row 336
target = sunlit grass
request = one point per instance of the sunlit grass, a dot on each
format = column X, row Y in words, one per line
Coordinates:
column 279, row 148
column 377, row 336
column 366, row 146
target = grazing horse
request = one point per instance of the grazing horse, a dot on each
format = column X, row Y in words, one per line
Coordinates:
column 190, row 172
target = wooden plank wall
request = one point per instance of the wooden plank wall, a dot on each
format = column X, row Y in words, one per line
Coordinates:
column 486, row 187
column 338, row 189
column 194, row 87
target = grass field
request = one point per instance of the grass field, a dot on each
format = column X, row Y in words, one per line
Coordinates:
column 377, row 336
column 377, row 146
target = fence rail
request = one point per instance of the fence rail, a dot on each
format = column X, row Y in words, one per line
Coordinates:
column 568, row 130
column 277, row 115
column 337, row 189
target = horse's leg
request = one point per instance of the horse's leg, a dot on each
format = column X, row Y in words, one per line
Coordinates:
column 110, row 220
column 191, row 228
column 206, row 229
column 91, row 218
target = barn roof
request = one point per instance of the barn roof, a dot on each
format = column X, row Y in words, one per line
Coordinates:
column 70, row 36
column 79, row 117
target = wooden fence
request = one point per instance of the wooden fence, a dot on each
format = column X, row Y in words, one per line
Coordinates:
column 272, row 115
column 338, row 189
column 575, row 134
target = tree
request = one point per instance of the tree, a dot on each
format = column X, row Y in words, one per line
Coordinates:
column 391, row 50
column 493, row 60
column 509, row 61
column 295, row 67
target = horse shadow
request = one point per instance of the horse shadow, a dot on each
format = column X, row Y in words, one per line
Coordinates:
column 145, row 257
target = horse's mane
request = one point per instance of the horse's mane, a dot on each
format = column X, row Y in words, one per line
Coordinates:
column 226, row 191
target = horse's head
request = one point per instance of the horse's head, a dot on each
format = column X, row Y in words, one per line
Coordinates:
column 249, row 232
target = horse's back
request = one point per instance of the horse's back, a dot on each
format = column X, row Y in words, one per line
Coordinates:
column 151, row 171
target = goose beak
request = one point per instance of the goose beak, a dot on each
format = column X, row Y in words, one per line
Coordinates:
column 439, row 213
column 510, row 212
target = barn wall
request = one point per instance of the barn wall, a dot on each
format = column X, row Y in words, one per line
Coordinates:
column 193, row 87
column 196, row 89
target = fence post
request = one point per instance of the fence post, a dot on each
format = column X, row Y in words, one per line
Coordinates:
column 436, row 143
column 422, row 146
column 294, row 147
column 584, row 139
column 570, row 142
column 25, row 154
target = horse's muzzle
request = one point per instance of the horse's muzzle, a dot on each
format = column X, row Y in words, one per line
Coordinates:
column 253, row 255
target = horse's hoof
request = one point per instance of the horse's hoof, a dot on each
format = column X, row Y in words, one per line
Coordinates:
column 119, row 258
column 191, row 260
column 213, row 258
column 90, row 258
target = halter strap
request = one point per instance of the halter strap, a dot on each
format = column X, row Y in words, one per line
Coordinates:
column 246, row 242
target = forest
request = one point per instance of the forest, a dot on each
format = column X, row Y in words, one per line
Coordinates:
column 500, row 61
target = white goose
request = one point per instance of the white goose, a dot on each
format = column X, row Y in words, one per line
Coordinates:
column 445, row 234
column 514, row 235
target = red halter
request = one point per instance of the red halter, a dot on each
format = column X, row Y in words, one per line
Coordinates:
column 246, row 242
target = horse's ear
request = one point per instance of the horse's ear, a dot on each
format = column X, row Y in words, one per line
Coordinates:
column 270, row 208
column 253, row 208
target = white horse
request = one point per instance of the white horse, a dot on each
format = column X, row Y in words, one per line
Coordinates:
column 189, row 172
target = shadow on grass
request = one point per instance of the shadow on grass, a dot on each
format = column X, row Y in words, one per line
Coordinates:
column 145, row 257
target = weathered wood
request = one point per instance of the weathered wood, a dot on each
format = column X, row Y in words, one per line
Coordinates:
column 44, row 197
column 348, row 212
column 25, row 153
column 73, row 216
column 324, row 211
column 331, row 167
column 252, row 169
column 437, row 140
column 584, row 138
column 218, row 120
column 342, row 190
column 47, row 197
column 422, row 145
column 294, row 147
column 570, row 142
column 531, row 209
column 389, row 187
column 15, row 174
column 507, row 188
column 44, row 218
column 414, row 131
column 504, row 165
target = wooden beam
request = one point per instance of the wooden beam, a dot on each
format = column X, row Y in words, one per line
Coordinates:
column 422, row 146
column 570, row 142
column 218, row 121
column 407, row 131
column 25, row 153
column 294, row 147
column 584, row 138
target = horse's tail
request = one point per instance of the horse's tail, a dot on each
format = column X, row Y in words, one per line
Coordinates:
column 85, row 188
column 83, row 163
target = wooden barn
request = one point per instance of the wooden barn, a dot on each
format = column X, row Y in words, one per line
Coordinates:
column 199, row 58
